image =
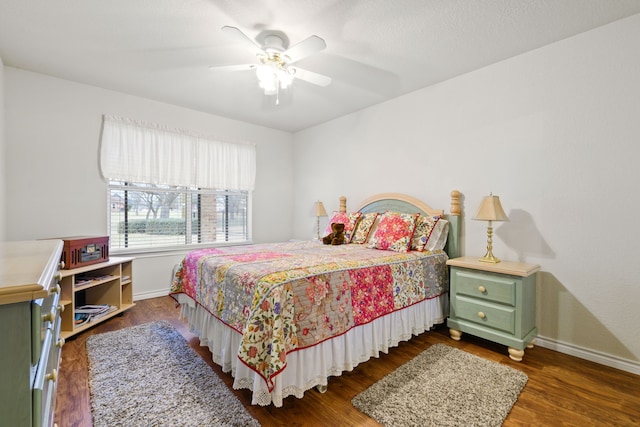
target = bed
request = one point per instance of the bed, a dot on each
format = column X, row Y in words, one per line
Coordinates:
column 283, row 318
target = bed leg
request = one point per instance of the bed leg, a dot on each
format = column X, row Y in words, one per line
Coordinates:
column 322, row 388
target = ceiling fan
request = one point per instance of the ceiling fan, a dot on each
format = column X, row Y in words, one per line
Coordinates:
column 275, row 69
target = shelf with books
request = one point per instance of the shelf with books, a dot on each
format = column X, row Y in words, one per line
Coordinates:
column 90, row 313
column 96, row 286
column 83, row 282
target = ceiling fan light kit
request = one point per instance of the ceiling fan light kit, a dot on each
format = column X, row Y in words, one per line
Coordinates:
column 275, row 71
column 273, row 75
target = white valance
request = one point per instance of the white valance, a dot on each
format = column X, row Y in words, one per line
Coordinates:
column 146, row 153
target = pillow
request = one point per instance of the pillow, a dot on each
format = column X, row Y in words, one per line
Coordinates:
column 363, row 227
column 424, row 228
column 348, row 219
column 394, row 232
column 438, row 238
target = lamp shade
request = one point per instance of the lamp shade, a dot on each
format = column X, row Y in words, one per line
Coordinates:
column 319, row 209
column 491, row 210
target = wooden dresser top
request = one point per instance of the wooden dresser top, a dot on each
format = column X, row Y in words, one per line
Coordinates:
column 25, row 269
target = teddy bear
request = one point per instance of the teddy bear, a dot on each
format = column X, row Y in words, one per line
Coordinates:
column 337, row 235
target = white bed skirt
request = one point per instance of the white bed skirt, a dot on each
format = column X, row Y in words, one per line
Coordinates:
column 312, row 366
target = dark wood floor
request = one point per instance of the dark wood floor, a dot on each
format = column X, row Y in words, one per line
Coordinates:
column 562, row 390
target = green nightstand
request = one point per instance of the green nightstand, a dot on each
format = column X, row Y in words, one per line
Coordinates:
column 496, row 302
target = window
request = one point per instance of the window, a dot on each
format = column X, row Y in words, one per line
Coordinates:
column 145, row 216
column 170, row 187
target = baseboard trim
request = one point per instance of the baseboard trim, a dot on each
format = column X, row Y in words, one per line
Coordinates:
column 588, row 354
column 151, row 294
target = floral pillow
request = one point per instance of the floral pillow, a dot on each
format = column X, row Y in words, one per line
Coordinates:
column 363, row 228
column 348, row 219
column 439, row 235
column 394, row 232
column 424, row 228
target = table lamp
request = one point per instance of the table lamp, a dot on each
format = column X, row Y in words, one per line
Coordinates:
column 490, row 210
column 319, row 210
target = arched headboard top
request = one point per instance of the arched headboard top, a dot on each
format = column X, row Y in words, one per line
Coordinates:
column 397, row 202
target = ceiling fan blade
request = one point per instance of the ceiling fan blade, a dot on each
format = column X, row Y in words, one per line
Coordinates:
column 240, row 37
column 305, row 48
column 311, row 77
column 241, row 67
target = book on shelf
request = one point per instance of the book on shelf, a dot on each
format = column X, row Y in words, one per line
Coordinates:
column 103, row 277
column 81, row 319
column 92, row 308
column 88, row 313
column 84, row 280
column 111, row 309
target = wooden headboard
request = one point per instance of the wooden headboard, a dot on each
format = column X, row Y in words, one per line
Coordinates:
column 403, row 203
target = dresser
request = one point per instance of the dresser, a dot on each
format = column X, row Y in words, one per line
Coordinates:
column 494, row 301
column 30, row 333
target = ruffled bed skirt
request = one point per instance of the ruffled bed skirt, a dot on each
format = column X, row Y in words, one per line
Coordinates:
column 311, row 366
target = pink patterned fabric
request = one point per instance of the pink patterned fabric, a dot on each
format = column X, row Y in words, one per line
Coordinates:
column 394, row 232
column 190, row 268
column 348, row 219
column 372, row 293
column 363, row 227
column 424, row 228
column 283, row 297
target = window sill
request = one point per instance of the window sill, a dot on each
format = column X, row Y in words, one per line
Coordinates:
column 169, row 251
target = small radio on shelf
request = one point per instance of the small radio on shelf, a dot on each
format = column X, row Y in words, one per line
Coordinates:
column 78, row 251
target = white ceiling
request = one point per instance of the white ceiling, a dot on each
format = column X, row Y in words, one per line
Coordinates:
column 376, row 49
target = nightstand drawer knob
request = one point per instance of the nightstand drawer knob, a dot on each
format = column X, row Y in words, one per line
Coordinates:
column 482, row 289
column 481, row 315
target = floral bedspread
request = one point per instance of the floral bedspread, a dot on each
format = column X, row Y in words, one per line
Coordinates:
column 286, row 296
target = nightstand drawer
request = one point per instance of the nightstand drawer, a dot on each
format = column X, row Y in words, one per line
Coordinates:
column 485, row 286
column 494, row 316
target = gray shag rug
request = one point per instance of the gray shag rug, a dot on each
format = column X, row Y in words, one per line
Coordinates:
column 443, row 386
column 147, row 375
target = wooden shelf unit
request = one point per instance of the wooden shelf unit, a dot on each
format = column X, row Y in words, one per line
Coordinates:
column 111, row 284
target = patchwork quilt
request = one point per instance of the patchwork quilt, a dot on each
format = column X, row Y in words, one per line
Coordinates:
column 283, row 297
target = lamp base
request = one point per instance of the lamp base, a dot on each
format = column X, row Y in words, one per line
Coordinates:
column 489, row 257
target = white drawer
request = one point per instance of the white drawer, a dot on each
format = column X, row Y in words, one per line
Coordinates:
column 44, row 314
column 46, row 381
column 42, row 381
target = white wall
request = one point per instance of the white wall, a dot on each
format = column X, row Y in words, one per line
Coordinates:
column 54, row 185
column 2, row 155
column 556, row 134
